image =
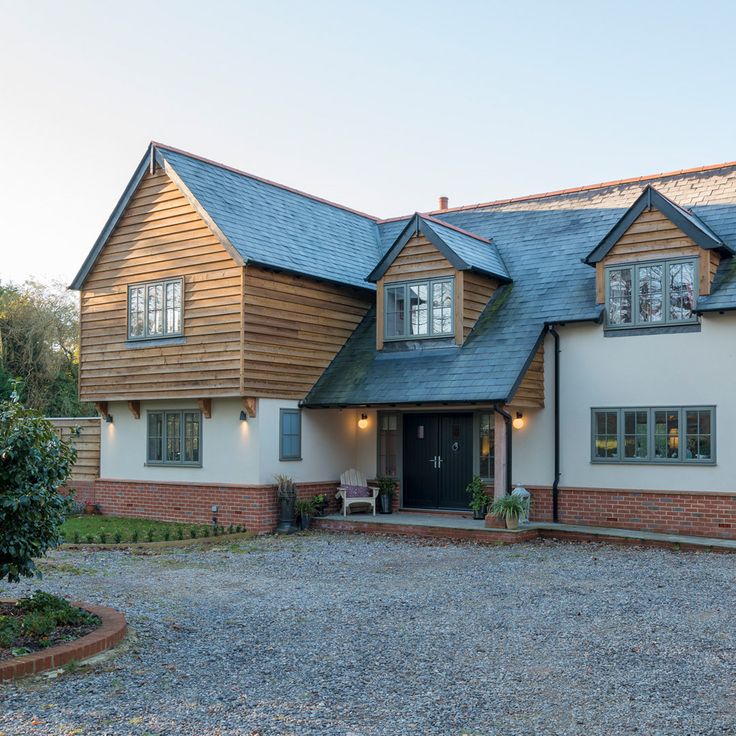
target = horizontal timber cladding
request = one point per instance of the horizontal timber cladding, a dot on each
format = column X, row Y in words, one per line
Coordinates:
column 531, row 389
column 293, row 327
column 650, row 237
column 159, row 236
column 476, row 292
column 83, row 433
column 419, row 259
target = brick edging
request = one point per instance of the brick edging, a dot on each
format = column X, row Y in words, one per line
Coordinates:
column 106, row 636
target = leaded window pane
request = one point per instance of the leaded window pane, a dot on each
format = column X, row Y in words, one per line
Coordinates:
column 442, row 307
column 418, row 309
column 155, row 437
column 191, row 437
column 155, row 309
column 681, row 290
column 636, row 434
column 651, row 293
column 388, row 438
column 667, row 434
column 605, row 441
column 173, row 437
column 394, row 311
column 136, row 311
column 698, row 434
column 619, row 296
column 173, row 307
column 486, row 432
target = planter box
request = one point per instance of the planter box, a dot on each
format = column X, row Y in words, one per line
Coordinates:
column 493, row 523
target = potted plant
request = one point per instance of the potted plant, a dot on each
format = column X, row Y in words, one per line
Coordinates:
column 478, row 497
column 305, row 511
column 508, row 507
column 286, row 494
column 386, row 489
column 320, row 504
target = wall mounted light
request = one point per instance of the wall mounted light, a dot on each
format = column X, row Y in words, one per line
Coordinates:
column 108, row 418
column 243, row 416
column 518, row 421
column 363, row 421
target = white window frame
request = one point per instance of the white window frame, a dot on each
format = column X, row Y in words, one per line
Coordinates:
column 407, row 318
column 635, row 266
column 146, row 286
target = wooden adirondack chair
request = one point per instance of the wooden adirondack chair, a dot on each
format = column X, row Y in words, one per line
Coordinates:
column 350, row 480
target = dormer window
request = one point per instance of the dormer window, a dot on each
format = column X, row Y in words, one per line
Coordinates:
column 419, row 309
column 651, row 293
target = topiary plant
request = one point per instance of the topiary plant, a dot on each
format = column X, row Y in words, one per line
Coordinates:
column 34, row 464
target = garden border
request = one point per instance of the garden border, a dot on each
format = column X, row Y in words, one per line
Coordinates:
column 107, row 635
column 160, row 544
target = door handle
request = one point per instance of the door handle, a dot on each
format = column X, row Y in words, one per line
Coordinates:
column 440, row 460
column 434, row 462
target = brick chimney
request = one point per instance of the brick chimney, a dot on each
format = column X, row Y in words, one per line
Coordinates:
column 444, row 203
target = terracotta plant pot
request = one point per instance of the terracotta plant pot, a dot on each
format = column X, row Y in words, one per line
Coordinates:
column 512, row 522
column 89, row 507
column 493, row 522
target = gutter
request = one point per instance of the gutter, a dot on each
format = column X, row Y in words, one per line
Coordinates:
column 509, row 430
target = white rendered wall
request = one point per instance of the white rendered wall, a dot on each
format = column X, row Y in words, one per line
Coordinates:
column 229, row 446
column 648, row 370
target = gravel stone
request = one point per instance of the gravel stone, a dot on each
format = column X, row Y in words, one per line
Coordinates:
column 366, row 636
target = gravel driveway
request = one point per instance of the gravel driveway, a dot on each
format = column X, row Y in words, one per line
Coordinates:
column 356, row 635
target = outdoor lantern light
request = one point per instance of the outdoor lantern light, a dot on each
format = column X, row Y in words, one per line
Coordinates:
column 363, row 421
column 108, row 418
column 519, row 421
column 243, row 416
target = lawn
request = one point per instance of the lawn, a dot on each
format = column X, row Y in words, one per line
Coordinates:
column 103, row 529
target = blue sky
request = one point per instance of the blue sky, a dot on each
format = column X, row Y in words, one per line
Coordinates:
column 382, row 106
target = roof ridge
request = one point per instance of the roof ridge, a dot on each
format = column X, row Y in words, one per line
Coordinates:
column 572, row 190
column 454, row 227
column 158, row 144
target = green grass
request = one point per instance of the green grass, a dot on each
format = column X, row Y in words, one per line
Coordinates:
column 92, row 526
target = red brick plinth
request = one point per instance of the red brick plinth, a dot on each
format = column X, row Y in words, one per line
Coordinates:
column 109, row 634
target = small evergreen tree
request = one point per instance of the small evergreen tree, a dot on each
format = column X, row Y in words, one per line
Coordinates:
column 34, row 465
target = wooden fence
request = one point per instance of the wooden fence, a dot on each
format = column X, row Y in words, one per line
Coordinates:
column 84, row 434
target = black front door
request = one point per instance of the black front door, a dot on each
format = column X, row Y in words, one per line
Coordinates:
column 438, row 460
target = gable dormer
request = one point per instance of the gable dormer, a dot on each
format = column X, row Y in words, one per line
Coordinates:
column 434, row 282
column 654, row 263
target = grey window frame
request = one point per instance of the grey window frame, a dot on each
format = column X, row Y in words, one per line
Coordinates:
column 282, row 413
column 414, row 282
column 650, row 459
column 174, row 463
column 146, row 286
column 636, row 323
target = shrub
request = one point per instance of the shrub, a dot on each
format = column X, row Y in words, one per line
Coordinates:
column 215, row 530
column 193, row 532
column 118, row 537
column 231, row 529
column 238, row 529
column 77, row 538
column 477, row 492
column 103, row 537
column 60, row 611
column 34, row 464
column 205, row 531
column 37, row 624
column 9, row 630
column 167, row 535
column 90, row 539
column 179, row 532
column 134, row 536
column 149, row 535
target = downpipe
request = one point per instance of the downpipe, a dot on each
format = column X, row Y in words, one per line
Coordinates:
column 556, row 482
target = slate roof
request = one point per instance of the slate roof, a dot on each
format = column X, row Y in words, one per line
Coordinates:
column 465, row 250
column 542, row 240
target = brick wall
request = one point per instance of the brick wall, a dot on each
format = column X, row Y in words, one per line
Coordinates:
column 253, row 507
column 699, row 514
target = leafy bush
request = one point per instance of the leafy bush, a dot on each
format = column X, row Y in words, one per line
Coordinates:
column 34, row 464
column 231, row 529
column 60, row 611
column 386, row 486
column 167, row 535
column 304, row 507
column 477, row 492
column 90, row 539
column 38, row 625
column 77, row 538
column 205, row 531
column 179, row 532
column 149, row 534
column 9, row 630
column 193, row 532
column 103, row 538
column 118, row 537
column 134, row 536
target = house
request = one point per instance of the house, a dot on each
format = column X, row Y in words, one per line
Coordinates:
column 579, row 342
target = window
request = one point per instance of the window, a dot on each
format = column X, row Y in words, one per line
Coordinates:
column 659, row 434
column 155, row 309
column 486, row 434
column 174, row 438
column 388, row 445
column 419, row 309
column 651, row 294
column 290, row 434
